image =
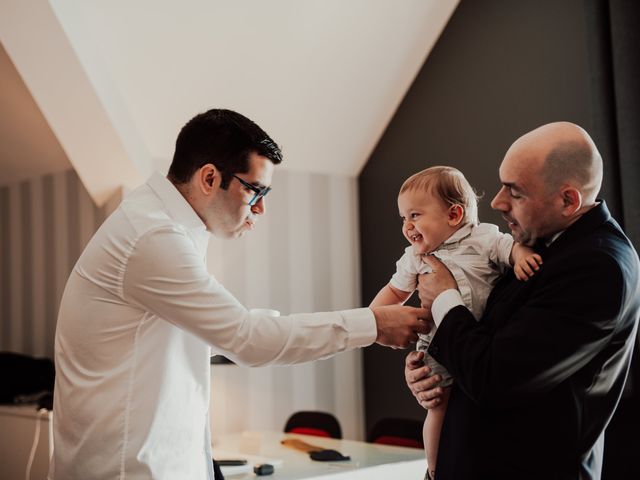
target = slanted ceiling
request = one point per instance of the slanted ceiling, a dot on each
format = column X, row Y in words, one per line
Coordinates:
column 116, row 79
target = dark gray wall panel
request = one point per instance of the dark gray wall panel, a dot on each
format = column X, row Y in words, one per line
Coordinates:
column 500, row 69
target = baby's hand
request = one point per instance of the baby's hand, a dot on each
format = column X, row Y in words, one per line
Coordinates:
column 527, row 266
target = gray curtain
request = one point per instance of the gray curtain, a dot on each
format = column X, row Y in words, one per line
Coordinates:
column 614, row 41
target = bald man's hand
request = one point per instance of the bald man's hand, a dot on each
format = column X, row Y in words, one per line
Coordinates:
column 422, row 386
column 398, row 326
column 430, row 285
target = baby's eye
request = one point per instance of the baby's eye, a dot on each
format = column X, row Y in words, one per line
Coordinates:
column 414, row 215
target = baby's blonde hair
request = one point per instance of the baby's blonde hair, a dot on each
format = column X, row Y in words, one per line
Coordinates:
column 448, row 184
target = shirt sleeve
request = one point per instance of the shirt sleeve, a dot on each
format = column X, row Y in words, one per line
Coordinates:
column 443, row 303
column 166, row 276
column 500, row 248
column 406, row 276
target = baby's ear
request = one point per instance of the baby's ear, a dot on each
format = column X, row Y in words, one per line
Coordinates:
column 456, row 215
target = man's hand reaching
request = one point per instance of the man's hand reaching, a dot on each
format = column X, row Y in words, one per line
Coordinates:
column 398, row 326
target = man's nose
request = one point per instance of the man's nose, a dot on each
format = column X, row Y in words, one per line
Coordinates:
column 499, row 202
column 259, row 207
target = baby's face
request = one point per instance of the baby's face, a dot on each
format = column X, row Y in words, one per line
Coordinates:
column 426, row 220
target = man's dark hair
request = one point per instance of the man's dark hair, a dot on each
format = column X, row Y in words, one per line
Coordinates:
column 223, row 138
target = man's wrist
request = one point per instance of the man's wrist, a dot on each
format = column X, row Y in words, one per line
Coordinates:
column 443, row 303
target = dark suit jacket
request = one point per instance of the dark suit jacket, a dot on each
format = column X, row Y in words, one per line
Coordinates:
column 539, row 377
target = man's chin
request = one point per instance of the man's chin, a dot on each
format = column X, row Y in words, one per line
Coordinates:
column 516, row 237
column 242, row 230
column 236, row 233
column 522, row 239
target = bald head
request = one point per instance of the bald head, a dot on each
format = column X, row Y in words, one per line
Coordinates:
column 550, row 178
column 569, row 158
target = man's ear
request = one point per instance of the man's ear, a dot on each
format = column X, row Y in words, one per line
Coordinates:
column 456, row 215
column 571, row 200
column 208, row 176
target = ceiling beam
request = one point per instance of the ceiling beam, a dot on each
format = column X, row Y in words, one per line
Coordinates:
column 105, row 158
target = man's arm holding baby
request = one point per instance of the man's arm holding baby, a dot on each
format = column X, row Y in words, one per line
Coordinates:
column 525, row 262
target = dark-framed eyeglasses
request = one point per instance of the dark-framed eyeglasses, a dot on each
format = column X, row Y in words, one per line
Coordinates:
column 259, row 192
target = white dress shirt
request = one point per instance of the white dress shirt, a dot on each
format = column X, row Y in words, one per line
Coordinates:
column 476, row 255
column 137, row 320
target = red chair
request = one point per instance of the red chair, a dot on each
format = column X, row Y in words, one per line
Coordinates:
column 319, row 424
column 401, row 432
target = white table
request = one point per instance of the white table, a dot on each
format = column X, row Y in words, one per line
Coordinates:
column 368, row 461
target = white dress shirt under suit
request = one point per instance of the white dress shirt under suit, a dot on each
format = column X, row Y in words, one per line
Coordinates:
column 137, row 320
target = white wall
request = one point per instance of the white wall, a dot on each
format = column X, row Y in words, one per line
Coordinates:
column 45, row 222
column 302, row 257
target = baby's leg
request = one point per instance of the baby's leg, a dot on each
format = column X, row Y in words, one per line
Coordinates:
column 432, row 428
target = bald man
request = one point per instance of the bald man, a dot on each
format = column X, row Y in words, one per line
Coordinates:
column 538, row 378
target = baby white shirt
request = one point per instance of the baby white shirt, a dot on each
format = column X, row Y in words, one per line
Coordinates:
column 476, row 255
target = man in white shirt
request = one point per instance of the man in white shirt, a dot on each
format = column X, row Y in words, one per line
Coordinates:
column 140, row 313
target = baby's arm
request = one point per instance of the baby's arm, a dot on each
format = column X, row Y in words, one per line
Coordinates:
column 525, row 261
column 390, row 295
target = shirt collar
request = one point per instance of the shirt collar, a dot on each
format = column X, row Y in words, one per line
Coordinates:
column 553, row 238
column 177, row 206
column 457, row 236
column 460, row 234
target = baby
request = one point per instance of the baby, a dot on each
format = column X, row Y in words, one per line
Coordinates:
column 439, row 211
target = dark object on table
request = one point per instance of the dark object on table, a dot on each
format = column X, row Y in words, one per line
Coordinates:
column 328, row 456
column 263, row 469
column 232, row 462
column 315, row 452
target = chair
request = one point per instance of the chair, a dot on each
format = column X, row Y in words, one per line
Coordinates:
column 402, row 432
column 319, row 424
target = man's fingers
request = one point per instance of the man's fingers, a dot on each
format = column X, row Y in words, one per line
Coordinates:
column 414, row 362
column 429, row 394
column 414, row 359
column 422, row 327
column 399, row 326
column 433, row 262
column 414, row 376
